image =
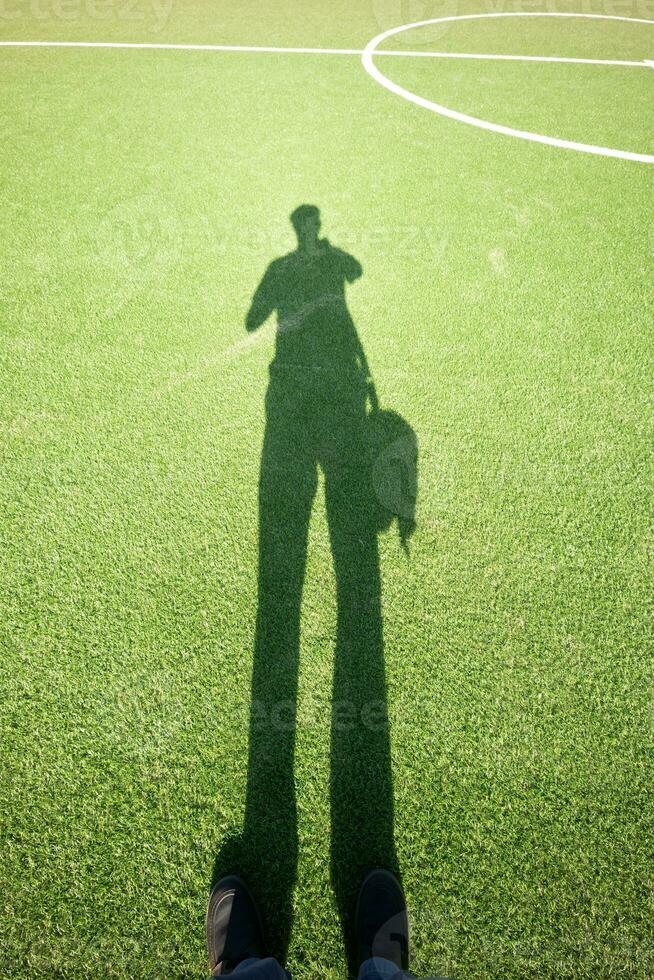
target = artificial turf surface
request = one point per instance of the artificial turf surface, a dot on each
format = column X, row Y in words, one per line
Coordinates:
column 505, row 309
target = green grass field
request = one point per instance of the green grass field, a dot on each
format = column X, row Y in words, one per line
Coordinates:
column 506, row 312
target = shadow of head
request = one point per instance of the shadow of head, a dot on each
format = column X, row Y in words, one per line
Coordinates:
column 306, row 222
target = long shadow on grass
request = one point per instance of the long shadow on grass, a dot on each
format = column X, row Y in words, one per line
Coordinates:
column 321, row 412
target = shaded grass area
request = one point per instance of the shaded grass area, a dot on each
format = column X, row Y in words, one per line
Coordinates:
column 505, row 312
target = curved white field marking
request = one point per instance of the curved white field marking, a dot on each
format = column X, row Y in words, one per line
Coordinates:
column 258, row 49
column 373, row 71
column 513, row 57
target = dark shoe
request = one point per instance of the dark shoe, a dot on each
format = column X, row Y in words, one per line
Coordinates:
column 234, row 930
column 381, row 922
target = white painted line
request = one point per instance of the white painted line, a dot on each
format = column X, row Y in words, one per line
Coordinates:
column 369, row 65
column 650, row 64
column 254, row 49
column 513, row 57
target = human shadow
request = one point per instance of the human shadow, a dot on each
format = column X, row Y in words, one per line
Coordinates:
column 321, row 412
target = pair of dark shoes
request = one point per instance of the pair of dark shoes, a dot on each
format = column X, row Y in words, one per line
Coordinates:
column 235, row 932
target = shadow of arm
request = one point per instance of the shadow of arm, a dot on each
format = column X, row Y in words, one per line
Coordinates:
column 263, row 302
column 352, row 268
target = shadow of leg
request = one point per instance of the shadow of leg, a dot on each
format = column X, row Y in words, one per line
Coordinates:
column 361, row 782
column 266, row 853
